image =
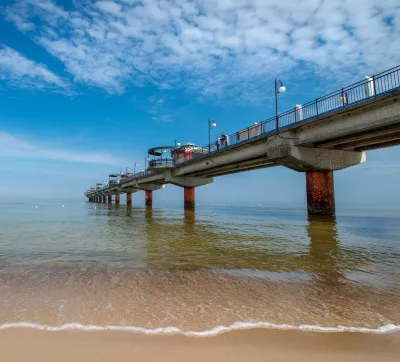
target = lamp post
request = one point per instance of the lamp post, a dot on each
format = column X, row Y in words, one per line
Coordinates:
column 211, row 124
column 134, row 168
column 281, row 89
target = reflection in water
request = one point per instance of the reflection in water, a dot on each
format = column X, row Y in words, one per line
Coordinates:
column 324, row 250
column 148, row 214
column 189, row 222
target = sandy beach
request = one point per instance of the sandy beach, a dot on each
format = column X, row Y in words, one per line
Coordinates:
column 24, row 344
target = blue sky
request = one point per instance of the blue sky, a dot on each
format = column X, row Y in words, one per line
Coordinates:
column 86, row 89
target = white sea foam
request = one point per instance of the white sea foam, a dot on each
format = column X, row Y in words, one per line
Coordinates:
column 210, row 332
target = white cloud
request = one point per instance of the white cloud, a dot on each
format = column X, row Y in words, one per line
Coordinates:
column 25, row 73
column 11, row 146
column 218, row 48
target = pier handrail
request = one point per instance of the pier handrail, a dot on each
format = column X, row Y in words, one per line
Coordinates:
column 368, row 88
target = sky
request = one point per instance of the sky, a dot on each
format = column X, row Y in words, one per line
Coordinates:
column 86, row 87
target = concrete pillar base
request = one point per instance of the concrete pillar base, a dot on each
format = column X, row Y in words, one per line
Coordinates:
column 320, row 193
column 129, row 199
column 117, row 199
column 149, row 198
column 189, row 197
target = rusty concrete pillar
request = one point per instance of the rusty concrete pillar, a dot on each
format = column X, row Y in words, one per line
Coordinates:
column 96, row 199
column 189, row 197
column 320, row 193
column 149, row 198
column 117, row 198
column 129, row 198
column 109, row 199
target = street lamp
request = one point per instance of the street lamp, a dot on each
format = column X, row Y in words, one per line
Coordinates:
column 134, row 168
column 281, row 89
column 211, row 124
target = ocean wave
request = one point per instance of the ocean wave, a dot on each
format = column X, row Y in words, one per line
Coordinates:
column 210, row 332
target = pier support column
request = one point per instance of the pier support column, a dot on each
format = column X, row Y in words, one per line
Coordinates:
column 96, row 199
column 104, row 199
column 189, row 197
column 129, row 198
column 109, row 199
column 149, row 198
column 320, row 193
column 117, row 199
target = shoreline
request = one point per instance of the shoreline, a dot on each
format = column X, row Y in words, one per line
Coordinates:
column 23, row 344
column 215, row 331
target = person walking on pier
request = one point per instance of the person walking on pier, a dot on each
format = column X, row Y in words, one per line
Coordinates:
column 218, row 143
column 223, row 139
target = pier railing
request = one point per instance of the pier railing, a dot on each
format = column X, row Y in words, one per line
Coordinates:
column 138, row 175
column 370, row 87
column 162, row 162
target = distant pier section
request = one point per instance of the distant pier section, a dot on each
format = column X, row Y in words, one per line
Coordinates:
column 327, row 134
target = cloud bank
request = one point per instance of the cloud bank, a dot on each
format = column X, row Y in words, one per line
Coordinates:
column 11, row 146
column 216, row 48
column 22, row 72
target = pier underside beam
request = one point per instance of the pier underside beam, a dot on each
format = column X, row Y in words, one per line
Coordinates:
column 320, row 193
column 187, row 181
column 305, row 158
column 189, row 198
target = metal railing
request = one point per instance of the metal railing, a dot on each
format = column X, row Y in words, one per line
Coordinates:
column 138, row 175
column 160, row 162
column 370, row 87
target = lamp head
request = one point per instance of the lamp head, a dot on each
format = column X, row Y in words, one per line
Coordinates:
column 281, row 89
column 213, row 124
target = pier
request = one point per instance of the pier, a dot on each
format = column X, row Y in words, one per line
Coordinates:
column 330, row 133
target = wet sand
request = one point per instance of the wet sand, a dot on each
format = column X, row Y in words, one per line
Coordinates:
column 24, row 344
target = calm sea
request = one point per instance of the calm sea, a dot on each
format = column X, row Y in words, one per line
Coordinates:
column 223, row 266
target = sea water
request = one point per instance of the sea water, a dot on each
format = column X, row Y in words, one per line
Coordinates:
column 79, row 265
